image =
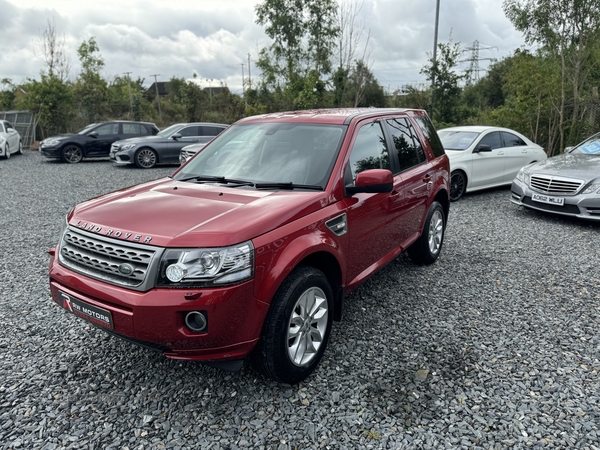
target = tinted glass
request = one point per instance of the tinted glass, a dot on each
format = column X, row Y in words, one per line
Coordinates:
column 512, row 140
column 430, row 134
column 211, row 131
column 132, row 128
column 369, row 150
column 190, row 131
column 406, row 142
column 491, row 139
column 107, row 129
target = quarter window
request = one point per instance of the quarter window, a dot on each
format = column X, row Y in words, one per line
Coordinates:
column 406, row 142
column 430, row 134
column 370, row 150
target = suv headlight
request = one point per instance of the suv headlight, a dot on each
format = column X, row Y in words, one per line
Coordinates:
column 207, row 266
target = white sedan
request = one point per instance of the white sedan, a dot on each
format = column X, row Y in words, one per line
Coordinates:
column 10, row 140
column 485, row 157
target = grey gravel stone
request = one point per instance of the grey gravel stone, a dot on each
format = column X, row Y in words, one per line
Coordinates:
column 503, row 330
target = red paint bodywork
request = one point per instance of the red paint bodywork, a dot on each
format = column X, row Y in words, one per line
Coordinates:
column 286, row 227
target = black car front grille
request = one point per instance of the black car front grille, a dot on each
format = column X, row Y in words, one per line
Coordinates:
column 554, row 185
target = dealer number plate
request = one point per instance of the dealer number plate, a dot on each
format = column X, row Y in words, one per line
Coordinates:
column 547, row 199
column 93, row 314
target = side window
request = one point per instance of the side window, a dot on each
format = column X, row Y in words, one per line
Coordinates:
column 211, row 131
column 133, row 128
column 408, row 147
column 107, row 128
column 430, row 134
column 190, row 131
column 512, row 140
column 492, row 139
column 369, row 150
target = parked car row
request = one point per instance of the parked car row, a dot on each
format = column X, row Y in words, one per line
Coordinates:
column 128, row 142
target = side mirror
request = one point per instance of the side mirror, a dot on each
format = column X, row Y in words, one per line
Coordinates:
column 372, row 181
column 482, row 148
column 93, row 134
column 176, row 136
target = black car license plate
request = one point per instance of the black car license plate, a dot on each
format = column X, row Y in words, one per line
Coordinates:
column 93, row 314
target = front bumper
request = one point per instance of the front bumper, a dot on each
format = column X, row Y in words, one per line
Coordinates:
column 120, row 157
column 155, row 318
column 50, row 152
column 581, row 206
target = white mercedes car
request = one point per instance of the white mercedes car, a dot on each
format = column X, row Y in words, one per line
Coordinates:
column 484, row 157
column 10, row 140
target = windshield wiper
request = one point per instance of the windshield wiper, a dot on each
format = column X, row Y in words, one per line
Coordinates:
column 289, row 185
column 213, row 179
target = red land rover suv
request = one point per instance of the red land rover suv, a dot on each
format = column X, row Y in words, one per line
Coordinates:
column 250, row 247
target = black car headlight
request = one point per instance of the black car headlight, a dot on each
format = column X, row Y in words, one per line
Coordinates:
column 207, row 266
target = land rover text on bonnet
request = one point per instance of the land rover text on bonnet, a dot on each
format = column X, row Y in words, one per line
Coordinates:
column 249, row 248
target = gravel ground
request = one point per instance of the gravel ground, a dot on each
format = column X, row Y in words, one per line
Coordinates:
column 494, row 346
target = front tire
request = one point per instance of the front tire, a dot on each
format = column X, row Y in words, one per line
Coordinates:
column 20, row 151
column 427, row 248
column 6, row 151
column 297, row 327
column 458, row 185
column 145, row 158
column 72, row 154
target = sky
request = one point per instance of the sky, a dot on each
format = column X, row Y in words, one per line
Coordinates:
column 212, row 38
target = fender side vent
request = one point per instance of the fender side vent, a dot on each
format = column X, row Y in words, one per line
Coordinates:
column 338, row 225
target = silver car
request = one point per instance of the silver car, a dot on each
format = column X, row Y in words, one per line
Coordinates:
column 146, row 152
column 567, row 184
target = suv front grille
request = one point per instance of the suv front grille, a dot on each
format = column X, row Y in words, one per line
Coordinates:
column 555, row 185
column 107, row 259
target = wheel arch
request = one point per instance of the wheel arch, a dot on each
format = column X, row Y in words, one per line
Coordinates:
column 328, row 264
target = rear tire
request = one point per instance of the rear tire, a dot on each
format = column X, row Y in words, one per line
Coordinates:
column 427, row 248
column 297, row 327
column 7, row 151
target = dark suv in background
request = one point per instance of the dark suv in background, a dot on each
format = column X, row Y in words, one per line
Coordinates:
column 93, row 140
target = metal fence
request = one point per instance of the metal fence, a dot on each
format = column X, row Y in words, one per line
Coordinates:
column 24, row 122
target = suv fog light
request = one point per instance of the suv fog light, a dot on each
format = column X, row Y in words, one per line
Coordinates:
column 195, row 321
column 176, row 272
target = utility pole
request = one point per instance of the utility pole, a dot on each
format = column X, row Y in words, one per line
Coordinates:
column 157, row 96
column 434, row 65
column 242, row 64
column 210, row 89
column 249, row 76
column 130, row 98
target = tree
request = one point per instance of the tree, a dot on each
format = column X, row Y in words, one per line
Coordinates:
column 569, row 29
column 52, row 49
column 91, row 90
column 303, row 33
column 446, row 89
column 7, row 94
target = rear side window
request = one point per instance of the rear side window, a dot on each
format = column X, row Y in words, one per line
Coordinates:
column 512, row 140
column 210, row 131
column 134, row 129
column 430, row 134
column 406, row 142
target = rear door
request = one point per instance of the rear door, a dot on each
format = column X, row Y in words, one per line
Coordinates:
column 516, row 155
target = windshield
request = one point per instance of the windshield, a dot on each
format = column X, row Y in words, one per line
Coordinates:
column 87, row 128
column 457, row 140
column 589, row 147
column 269, row 153
column 170, row 130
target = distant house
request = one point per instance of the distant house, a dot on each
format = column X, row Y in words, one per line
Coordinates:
column 162, row 88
